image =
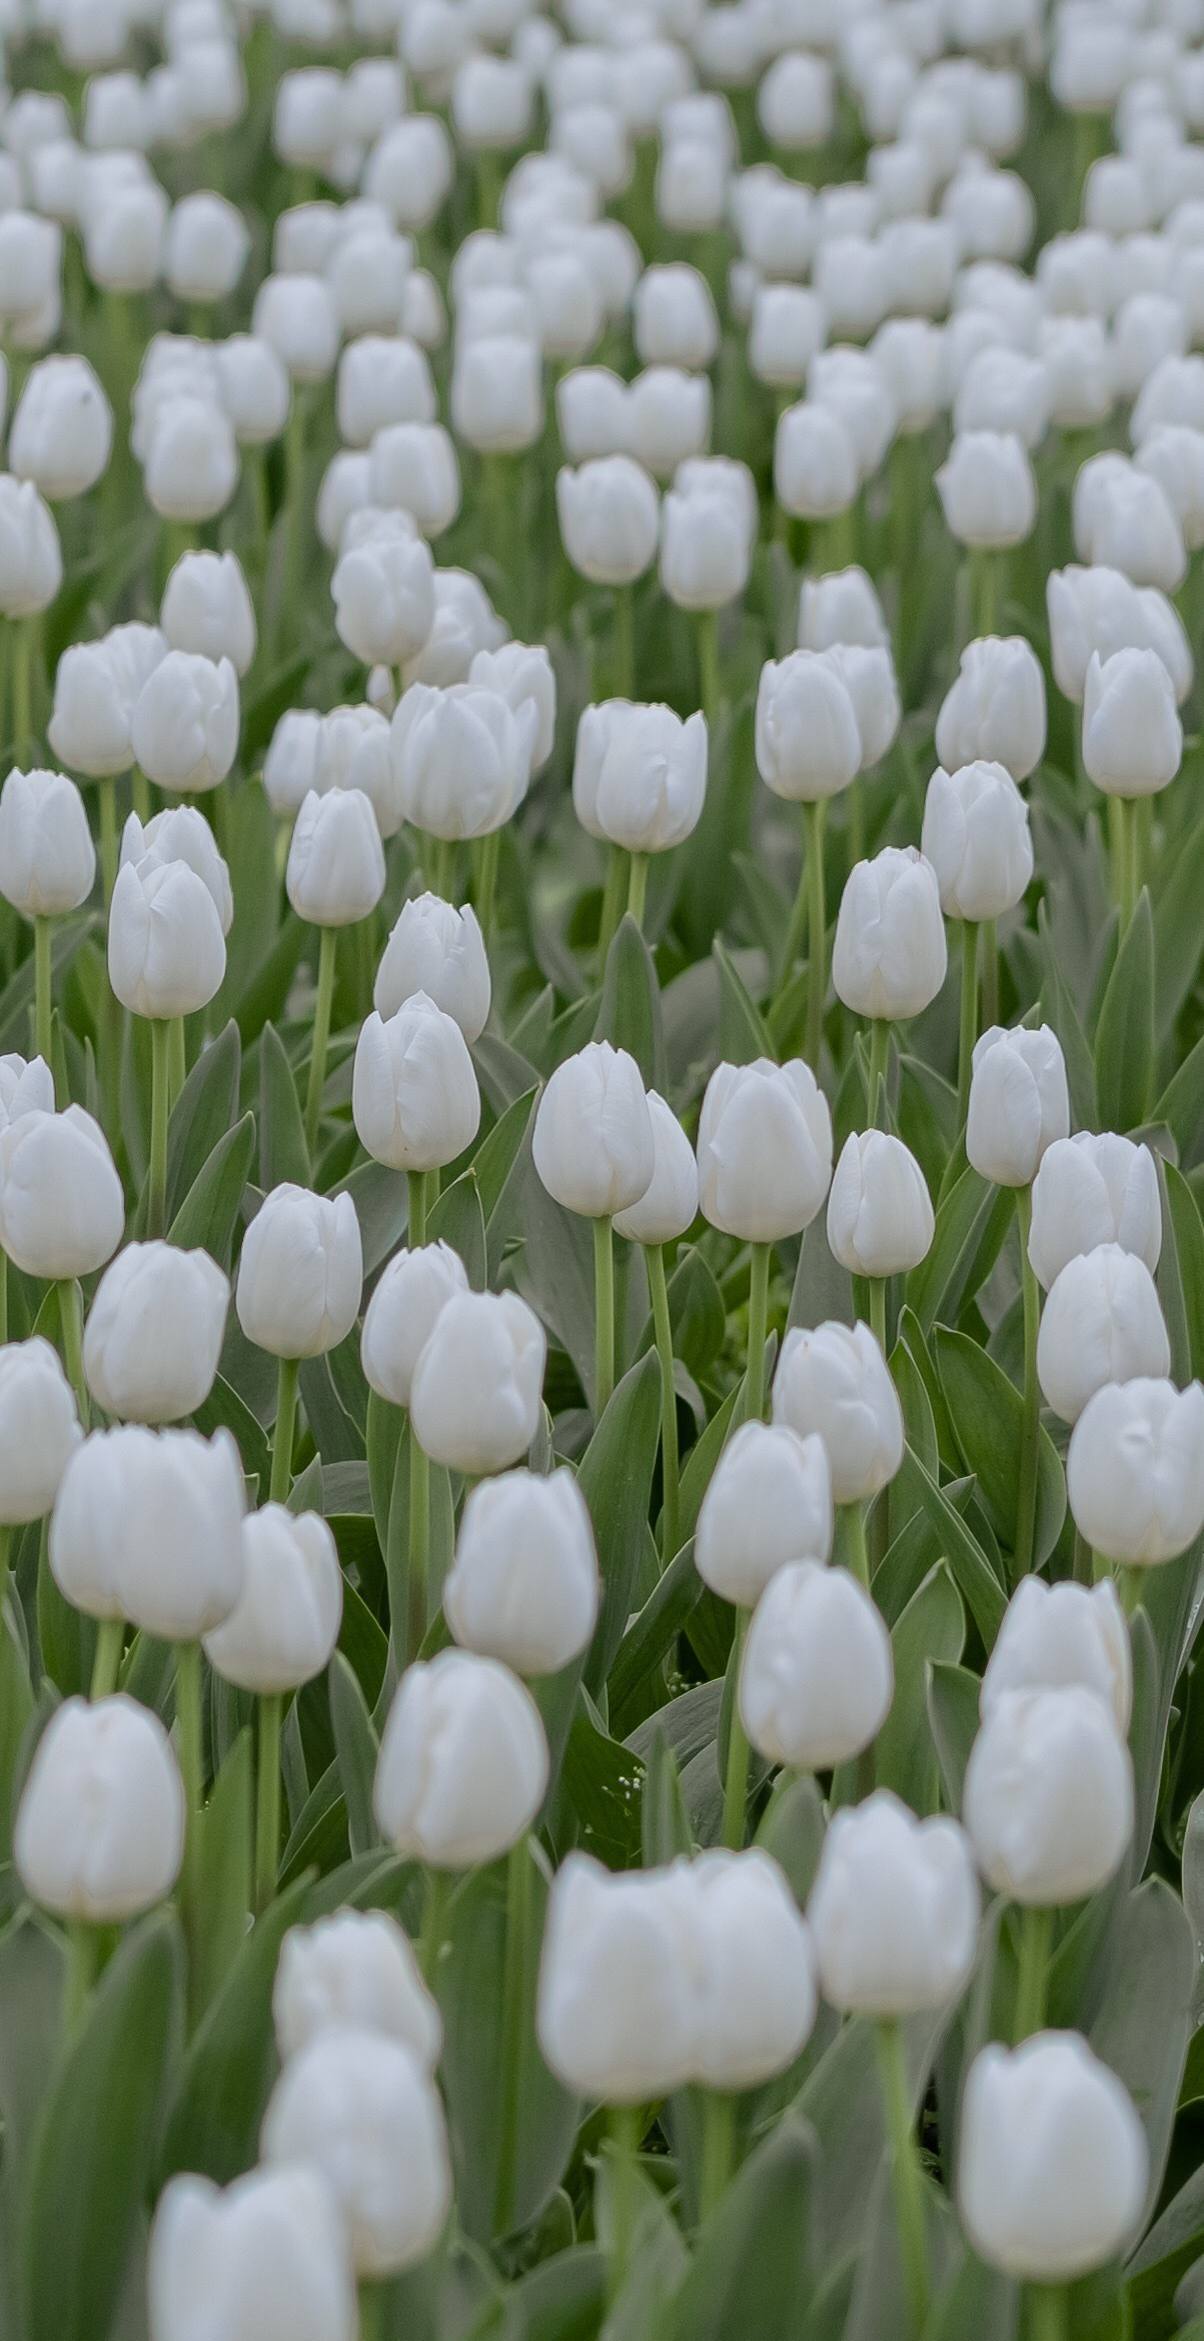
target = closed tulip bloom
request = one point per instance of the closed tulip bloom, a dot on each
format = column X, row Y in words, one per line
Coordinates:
column 591, row 412
column 300, row 1272
column 62, row 1209
column 400, row 1317
column 976, row 836
column 894, row 1910
column 191, row 468
column 523, row 673
column 592, row 1144
column 911, row 355
column 412, row 468
column 461, row 757
column 359, row 2109
column 30, row 262
column 808, row 741
column 817, row 1674
column 1054, row 1635
column 154, row 1333
column 996, row 708
column 475, row 1396
column 384, row 597
column 842, row 607
column 614, row 2019
column 987, row 490
column 669, row 1202
column 705, row 552
column 754, row 1987
column 764, row 1149
column 62, row 432
column 1102, row 1322
column 673, row 317
column 769, row 1503
column 1132, row 736
column 1093, row 1190
column 1135, row 1471
column 147, row 1526
column 1053, row 2164
column 39, row 1429
column 383, row 379
column 206, row 247
column 465, row 622
column 207, row 609
column 180, row 833
column 166, row 950
column 668, row 418
column 354, row 1969
column 284, row 1625
column 297, row 316
column 880, row 1217
column 832, row 1380
column 785, row 330
column 414, row 1094
column 1173, row 454
column 1098, row 610
column 99, row 1833
column 1125, row 520
column 639, row 774
column 96, row 687
column 609, row 519
column 336, row 862
column 254, row 386
column 816, row 467
column 267, row 2259
column 524, row 1586
column 1003, row 390
column 290, row 765
column 463, row 1762
column 26, row 1086
column 1048, row 1797
column 184, row 731
column 439, row 951
column 47, row 860
column 31, row 561
column 868, row 675
column 497, row 393
column 1019, row 1103
column 889, row 957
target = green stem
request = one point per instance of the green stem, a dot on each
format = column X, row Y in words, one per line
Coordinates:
column 1036, row 1928
column 106, row 1660
column 22, row 646
column 986, row 578
column 71, row 1314
column 906, row 2176
column 177, row 1059
column 285, row 1426
column 417, row 1573
column 416, row 1183
column 1048, row 2312
column 317, row 1055
column 1026, row 1486
column 707, row 630
column 663, row 1328
column 735, row 1787
column 817, row 929
column 637, row 886
column 877, row 1285
column 267, row 1799
column 156, row 1192
column 434, row 1923
column 856, row 1546
column 604, row 1315
column 625, row 2135
column 42, row 992
column 189, row 1753
column 514, row 2021
column 443, row 868
column 718, row 2148
column 879, row 1057
column 758, row 1325
column 612, row 901
column 624, row 641
column 968, row 1027
column 1127, row 832
column 372, row 2301
column 109, row 846
column 796, row 925
column 83, row 1959
column 485, row 856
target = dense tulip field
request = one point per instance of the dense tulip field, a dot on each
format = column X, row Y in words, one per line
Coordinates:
column 601, row 1170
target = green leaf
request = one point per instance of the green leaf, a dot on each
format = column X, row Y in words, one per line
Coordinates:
column 96, row 2140
column 224, row 2081
column 953, row 1717
column 976, row 1580
column 970, row 1227
column 664, row 1827
column 202, row 1113
column 1141, row 2028
column 1181, row 1105
column 616, row 1481
column 224, row 1870
column 209, row 1212
column 1177, row 928
column 283, row 1153
column 629, row 1011
column 356, row 1749
column 987, row 1413
column 16, row 1714
column 602, row 1780
column 1124, row 1036
column 1186, row 1252
column 751, row 2269
column 649, row 1640
column 32, row 1977
column 743, row 1033
column 458, row 1219
column 932, row 1627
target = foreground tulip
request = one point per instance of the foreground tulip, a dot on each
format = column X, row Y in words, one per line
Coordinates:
column 764, row 1167
column 889, row 957
column 1049, row 1799
column 463, row 1762
column 359, row 2109
column 880, row 1217
column 414, row 1091
column 207, row 609
column 147, row 1526
column 1092, row 1190
column 834, row 1381
column 62, row 431
column 639, row 782
column 816, row 1676
column 39, row 1433
column 383, row 592
column 1135, row 1471
column 476, row 1391
column 265, row 2260
column 1054, row 1635
column 461, row 758
column 769, row 1502
column 154, row 1333
column 995, row 710
column 167, row 953
column 524, row 1585
column 439, row 950
column 593, row 1150
column 285, row 1622
column 355, row 1969
column 180, row 833
column 61, row 1205
column 1053, row 2164
column 47, row 860
column 99, row 1833
column 1102, row 1322
column 1019, row 1103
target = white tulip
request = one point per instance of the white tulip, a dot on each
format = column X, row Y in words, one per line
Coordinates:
column 99, row 1833
column 524, row 1585
column 817, row 1674
column 834, row 1380
column 463, row 1762
column 1048, row 1796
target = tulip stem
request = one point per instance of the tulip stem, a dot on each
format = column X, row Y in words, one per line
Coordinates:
column 420, row 1535
column 106, row 1659
column 71, row 1321
column 968, row 1028
column 188, row 1752
column 434, row 1924
column 624, row 641
column 877, row 1285
column 83, row 1954
column 371, row 2300
column 416, row 1228
column 1036, row 1927
column 612, row 901
column 857, row 1554
column 718, row 2143
column 735, row 1787
column 663, row 1328
column 42, row 993
column 21, row 636
column 485, row 854
column 989, row 956
column 106, row 789
column 282, row 1435
column 879, row 1056
column 604, row 1316
column 906, row 2176
column 317, row 1055
column 1026, row 1486
column 817, row 930
column 177, row 1072
column 267, row 1799
column 624, row 2146
column 1047, row 2312
column 758, row 1327
column 707, row 626
column 514, row 2016
column 156, row 1192
column 637, row 887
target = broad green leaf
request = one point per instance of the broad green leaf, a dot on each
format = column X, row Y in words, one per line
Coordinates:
column 752, row 2265
column 952, row 1701
column 283, row 1153
column 970, row 1227
column 648, row 1643
column 932, row 1627
column 1124, row 1035
column 209, row 1212
column 356, row 1747
column 202, row 1114
column 1181, row 1105
column 987, row 1413
column 223, row 2083
column 1141, row 2028
column 616, row 1478
column 224, row 1871
column 629, row 1011
column 458, row 1219
column 664, row 1828
column 975, row 1578
column 1186, row 1250
column 743, row 1033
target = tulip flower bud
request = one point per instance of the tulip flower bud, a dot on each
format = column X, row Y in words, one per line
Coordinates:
column 987, row 490
column 355, row 1970
column 841, row 608
column 31, row 254
column 384, row 595
column 336, row 862
column 475, row 1396
column 669, row 420
column 1098, row 610
column 265, row 2260
column 639, row 775
column 1135, row 1471
column 167, row 953
column 1093, row 1190
column 868, row 676
column 291, row 763
column 524, row 1585
column 62, row 432
column 1019, row 1103
column 1003, row 390
column 414, row 1094
column 154, row 1333
column 995, row 711
column 39, row 1429
column 1102, row 1322
column 889, row 957
column 609, row 519
column 497, row 393
column 880, row 1217
column 439, row 951
column 254, row 387
column 285, row 1622
column 669, row 1202
column 400, row 1317
column 463, row 1762
column 1048, row 1796
column 785, row 330
column 383, row 379
column 62, row 1209
column 976, row 837
column 465, row 622
column 754, row 1984
column 808, row 741
column 847, row 383
column 31, row 561
column 96, row 686
column 592, row 1144
column 191, row 469
column 360, row 2109
column 1132, row 736
column 300, row 1272
column 297, row 316
column 99, row 1832
column 1056, row 1635
column 207, row 609
column 894, row 1910
column 764, row 1149
column 817, row 1675
column 461, row 758
column 180, row 833
column 185, row 723
column 833, row 1380
column 769, row 1503
column 1124, row 519
column 412, row 468
column 705, row 552
column 206, row 247
column 816, row 469
column 147, row 1527
column 26, row 1086
column 523, row 674
column 1053, row 2164
column 47, row 859
column 615, row 2019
